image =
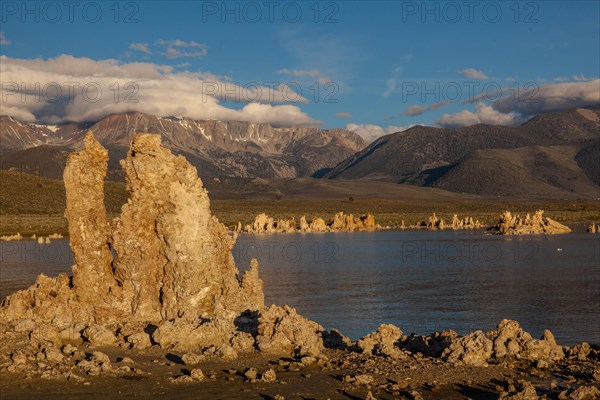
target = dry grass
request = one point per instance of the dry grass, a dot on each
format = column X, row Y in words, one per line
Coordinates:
column 30, row 204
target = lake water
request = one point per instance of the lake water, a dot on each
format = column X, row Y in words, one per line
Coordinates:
column 421, row 281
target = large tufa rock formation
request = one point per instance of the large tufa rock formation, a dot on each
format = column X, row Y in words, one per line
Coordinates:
column 165, row 259
column 173, row 257
column 339, row 223
column 538, row 224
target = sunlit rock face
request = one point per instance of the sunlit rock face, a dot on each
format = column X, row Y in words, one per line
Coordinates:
column 166, row 257
column 538, row 224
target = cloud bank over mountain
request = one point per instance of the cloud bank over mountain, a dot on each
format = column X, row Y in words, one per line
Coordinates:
column 517, row 107
column 68, row 88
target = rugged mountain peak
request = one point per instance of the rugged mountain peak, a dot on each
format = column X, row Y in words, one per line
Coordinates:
column 235, row 149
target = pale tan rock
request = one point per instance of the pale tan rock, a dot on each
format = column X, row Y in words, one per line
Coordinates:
column 53, row 355
column 339, row 223
column 99, row 335
column 172, row 258
column 303, row 224
column 545, row 349
column 526, row 392
column 100, row 358
column 69, row 349
column 269, row 376
column 382, row 342
column 507, row 341
column 369, row 396
column 242, row 342
column 581, row 351
column 48, row 299
column 251, row 373
column 227, row 352
column 180, row 334
column 434, row 222
column 167, row 222
column 282, row 330
column 318, row 225
column 9, row 238
column 197, row 374
column 472, row 349
column 192, row 358
column 538, row 224
column 364, row 380
column 585, row 393
column 182, row 379
column 89, row 231
column 139, row 340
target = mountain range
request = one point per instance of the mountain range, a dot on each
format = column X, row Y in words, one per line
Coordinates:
column 554, row 155
column 218, row 149
column 551, row 155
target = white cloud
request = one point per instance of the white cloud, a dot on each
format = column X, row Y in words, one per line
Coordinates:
column 473, row 73
column 515, row 107
column 484, row 114
column 371, row 132
column 580, row 78
column 3, row 40
column 173, row 48
column 155, row 89
column 343, row 115
column 414, row 110
column 143, row 47
column 390, row 87
column 314, row 73
column 299, row 72
column 418, row 109
column 576, row 78
column 182, row 49
column 550, row 98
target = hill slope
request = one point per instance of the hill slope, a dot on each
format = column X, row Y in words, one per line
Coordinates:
column 553, row 155
column 536, row 171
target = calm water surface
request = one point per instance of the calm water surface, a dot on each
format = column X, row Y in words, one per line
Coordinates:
column 420, row 281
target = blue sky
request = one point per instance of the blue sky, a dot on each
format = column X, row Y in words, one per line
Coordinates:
column 378, row 66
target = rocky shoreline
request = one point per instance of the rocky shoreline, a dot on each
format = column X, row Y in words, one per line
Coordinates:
column 338, row 223
column 156, row 300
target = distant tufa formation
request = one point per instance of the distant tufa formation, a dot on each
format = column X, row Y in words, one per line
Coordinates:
column 593, row 228
column 433, row 222
column 538, row 224
column 339, row 223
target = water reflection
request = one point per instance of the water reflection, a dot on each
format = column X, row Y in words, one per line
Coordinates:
column 420, row 281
